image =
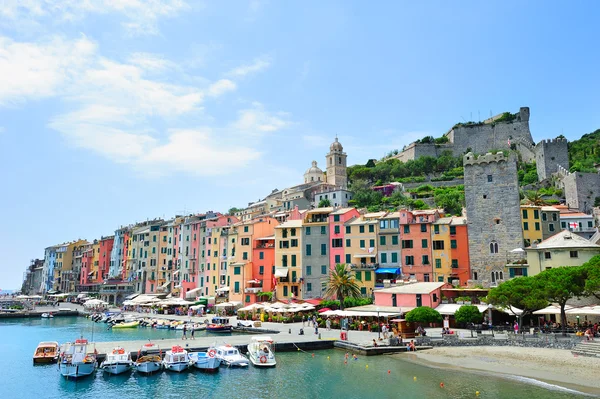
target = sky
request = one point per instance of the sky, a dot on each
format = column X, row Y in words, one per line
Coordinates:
column 117, row 111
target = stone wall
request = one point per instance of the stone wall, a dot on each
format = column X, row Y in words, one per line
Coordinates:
column 580, row 189
column 522, row 340
column 417, row 150
column 492, row 203
column 549, row 154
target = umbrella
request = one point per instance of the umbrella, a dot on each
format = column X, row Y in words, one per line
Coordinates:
column 324, row 310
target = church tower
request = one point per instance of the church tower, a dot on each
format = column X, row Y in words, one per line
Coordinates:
column 336, row 165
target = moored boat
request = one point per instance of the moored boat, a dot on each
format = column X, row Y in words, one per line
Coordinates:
column 46, row 352
column 76, row 361
column 206, row 361
column 47, row 315
column 117, row 361
column 260, row 352
column 176, row 359
column 148, row 363
column 219, row 325
column 231, row 356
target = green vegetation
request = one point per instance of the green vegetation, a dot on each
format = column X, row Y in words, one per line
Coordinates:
column 585, row 152
column 423, row 314
column 468, row 314
column 527, row 173
column 506, row 117
column 324, row 203
column 342, row 284
column 349, row 302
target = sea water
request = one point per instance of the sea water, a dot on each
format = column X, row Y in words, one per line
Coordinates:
column 297, row 375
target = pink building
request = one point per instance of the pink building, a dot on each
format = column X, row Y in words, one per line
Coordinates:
column 337, row 232
column 415, row 242
column 106, row 246
column 411, row 295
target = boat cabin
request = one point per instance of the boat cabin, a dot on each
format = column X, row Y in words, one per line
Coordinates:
column 176, row 355
column 220, row 320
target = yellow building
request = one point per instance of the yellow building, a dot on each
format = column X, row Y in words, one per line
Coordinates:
column 361, row 244
column 531, row 222
column 288, row 259
column 65, row 278
column 563, row 249
column 440, row 250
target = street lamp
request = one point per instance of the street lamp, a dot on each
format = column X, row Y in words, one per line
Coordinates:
column 378, row 325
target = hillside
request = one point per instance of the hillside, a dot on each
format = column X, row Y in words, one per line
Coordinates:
column 585, row 152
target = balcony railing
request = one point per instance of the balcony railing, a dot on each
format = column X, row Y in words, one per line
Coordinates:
column 364, row 265
column 253, row 290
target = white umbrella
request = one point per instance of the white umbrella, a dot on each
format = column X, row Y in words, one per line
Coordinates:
column 552, row 309
column 253, row 307
column 589, row 310
column 94, row 302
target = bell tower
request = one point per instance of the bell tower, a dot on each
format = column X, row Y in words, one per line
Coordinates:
column 336, row 165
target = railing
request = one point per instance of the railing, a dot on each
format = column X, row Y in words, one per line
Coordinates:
column 253, row 290
column 364, row 265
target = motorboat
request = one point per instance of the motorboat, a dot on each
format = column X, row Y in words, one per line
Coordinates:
column 148, row 363
column 207, row 361
column 46, row 352
column 231, row 356
column 131, row 324
column 260, row 352
column 47, row 315
column 219, row 325
column 176, row 359
column 117, row 361
column 76, row 361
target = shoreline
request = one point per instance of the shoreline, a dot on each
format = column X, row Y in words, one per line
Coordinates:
column 551, row 366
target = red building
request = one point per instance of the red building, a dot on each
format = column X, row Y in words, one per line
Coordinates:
column 415, row 243
column 106, row 246
column 337, row 233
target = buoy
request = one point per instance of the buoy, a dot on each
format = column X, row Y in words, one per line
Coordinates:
column 313, row 355
column 367, row 366
column 441, row 384
column 345, row 362
column 414, row 378
column 327, row 357
column 389, row 371
column 476, row 393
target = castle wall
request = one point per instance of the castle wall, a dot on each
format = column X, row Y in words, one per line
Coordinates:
column 580, row 189
column 549, row 154
column 493, row 214
column 414, row 151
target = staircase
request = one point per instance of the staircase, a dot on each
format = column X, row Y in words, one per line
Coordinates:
column 587, row 348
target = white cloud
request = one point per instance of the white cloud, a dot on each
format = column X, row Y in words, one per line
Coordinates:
column 141, row 16
column 151, row 62
column 221, row 87
column 259, row 64
column 257, row 121
column 315, row 141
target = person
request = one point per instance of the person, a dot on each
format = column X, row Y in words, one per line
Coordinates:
column 589, row 335
column 184, row 332
column 412, row 346
column 374, row 342
column 384, row 331
column 328, row 324
column 348, row 355
column 516, row 327
column 316, row 328
column 354, row 357
column 303, row 320
column 191, row 332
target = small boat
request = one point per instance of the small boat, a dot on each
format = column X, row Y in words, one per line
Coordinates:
column 207, row 361
column 176, row 359
column 131, row 324
column 76, row 361
column 148, row 363
column 46, row 352
column 260, row 352
column 219, row 325
column 118, row 361
column 231, row 356
column 47, row 315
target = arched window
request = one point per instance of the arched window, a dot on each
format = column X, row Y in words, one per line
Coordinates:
column 493, row 247
column 340, row 160
column 330, row 160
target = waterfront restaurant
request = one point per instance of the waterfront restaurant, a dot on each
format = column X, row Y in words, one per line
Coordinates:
column 411, row 295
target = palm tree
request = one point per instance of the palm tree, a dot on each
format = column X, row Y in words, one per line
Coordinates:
column 535, row 198
column 342, row 284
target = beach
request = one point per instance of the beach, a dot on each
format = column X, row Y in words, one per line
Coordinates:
column 554, row 366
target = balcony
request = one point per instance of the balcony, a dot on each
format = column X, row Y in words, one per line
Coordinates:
column 252, row 290
column 370, row 266
column 265, row 246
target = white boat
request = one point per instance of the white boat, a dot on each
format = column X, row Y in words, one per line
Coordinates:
column 47, row 316
column 207, row 361
column 260, row 352
column 148, row 363
column 118, row 361
column 176, row 359
column 76, row 361
column 231, row 356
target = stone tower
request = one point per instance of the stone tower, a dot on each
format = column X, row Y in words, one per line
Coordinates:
column 336, row 165
column 493, row 214
column 549, row 154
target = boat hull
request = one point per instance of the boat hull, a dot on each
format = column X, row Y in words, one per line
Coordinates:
column 205, row 363
column 223, row 329
column 148, row 367
column 258, row 363
column 116, row 368
column 45, row 359
column 177, row 367
column 77, row 370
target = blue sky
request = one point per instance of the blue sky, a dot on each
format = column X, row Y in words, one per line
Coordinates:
column 112, row 112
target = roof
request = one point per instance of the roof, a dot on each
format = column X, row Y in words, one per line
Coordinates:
column 341, row 211
column 414, row 288
column 358, row 221
column 392, row 215
column 564, row 240
column 290, row 223
column 327, row 209
column 375, row 215
column 575, row 215
column 549, row 209
column 452, row 220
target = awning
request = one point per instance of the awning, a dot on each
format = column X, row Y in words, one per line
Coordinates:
column 165, row 285
column 131, row 296
column 192, row 293
column 255, row 281
column 177, row 271
column 237, row 264
column 281, row 272
column 222, row 289
column 370, row 255
column 391, row 270
column 90, row 274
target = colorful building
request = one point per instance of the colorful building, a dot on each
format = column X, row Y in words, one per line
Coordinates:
column 450, row 250
column 289, row 250
column 409, row 296
column 416, row 243
column 337, row 228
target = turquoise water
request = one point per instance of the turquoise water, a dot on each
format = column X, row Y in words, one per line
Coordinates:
column 297, row 375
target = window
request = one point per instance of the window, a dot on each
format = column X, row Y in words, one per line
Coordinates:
column 544, row 216
column 363, row 291
column 336, row 218
column 308, row 270
column 436, row 229
column 551, row 226
column 547, row 255
column 348, row 242
column 245, row 241
column 237, row 270
column 293, row 260
column 323, row 269
column 307, row 231
column 308, row 287
column 284, row 244
column 362, row 243
column 394, row 240
column 294, row 276
column 338, row 259
column 284, row 260
column 284, row 234
column 493, row 247
column 293, row 232
column 261, row 270
column 371, row 243
column 383, row 258
column 554, row 217
column 361, row 229
column 371, row 228
column 381, row 240
column 440, row 279
column 359, row 276
column 455, row 263
column 573, row 254
column 490, row 178
column 536, row 214
column 323, row 249
column 474, row 275
column 409, row 260
column 308, row 250
column 537, row 226
column 407, row 243
column 285, row 290
column 524, row 214
column 348, row 258
column 563, row 225
column 525, row 226
column 367, row 276
column 336, row 229
column 590, row 224
column 438, row 263
column 323, row 229
column 406, row 229
column 394, row 257
column 425, row 259
column 337, row 243
column 348, row 229
column 423, row 228
column 426, row 277
column 424, row 243
column 452, row 230
column 439, row 245
column 236, row 287
column 245, row 255
column 245, row 229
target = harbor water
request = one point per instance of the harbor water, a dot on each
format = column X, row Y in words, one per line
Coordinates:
column 297, row 375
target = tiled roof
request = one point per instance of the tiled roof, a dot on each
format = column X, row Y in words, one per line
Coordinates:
column 565, row 239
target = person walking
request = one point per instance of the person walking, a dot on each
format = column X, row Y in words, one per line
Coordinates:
column 303, row 320
column 184, row 332
column 192, row 330
column 328, row 324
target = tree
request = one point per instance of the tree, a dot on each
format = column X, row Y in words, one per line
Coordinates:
column 423, row 314
column 232, row 211
column 591, row 270
column 468, row 314
column 342, row 284
column 525, row 293
column 561, row 284
column 324, row 203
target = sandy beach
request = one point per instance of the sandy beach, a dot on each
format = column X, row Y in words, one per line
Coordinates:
column 555, row 366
